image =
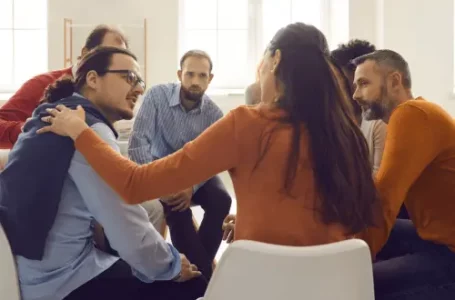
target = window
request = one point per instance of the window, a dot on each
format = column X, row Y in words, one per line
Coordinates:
column 235, row 33
column 23, row 32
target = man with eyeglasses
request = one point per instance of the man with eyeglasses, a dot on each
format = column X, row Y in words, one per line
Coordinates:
column 15, row 112
column 55, row 255
column 172, row 115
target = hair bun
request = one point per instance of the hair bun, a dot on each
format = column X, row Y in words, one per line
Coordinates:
column 62, row 88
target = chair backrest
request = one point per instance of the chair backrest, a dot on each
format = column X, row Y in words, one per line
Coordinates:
column 253, row 270
column 9, row 285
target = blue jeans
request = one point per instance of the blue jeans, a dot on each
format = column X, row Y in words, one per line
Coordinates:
column 409, row 267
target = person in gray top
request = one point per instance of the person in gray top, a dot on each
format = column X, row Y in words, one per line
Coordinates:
column 374, row 131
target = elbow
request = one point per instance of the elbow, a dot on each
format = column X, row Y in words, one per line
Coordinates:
column 154, row 263
column 130, row 197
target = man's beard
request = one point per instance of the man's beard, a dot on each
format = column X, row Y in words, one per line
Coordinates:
column 377, row 109
column 374, row 112
column 194, row 96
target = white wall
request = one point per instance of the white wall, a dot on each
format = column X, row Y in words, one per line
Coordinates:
column 162, row 18
column 421, row 30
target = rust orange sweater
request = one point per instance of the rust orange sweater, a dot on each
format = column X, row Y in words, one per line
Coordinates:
column 264, row 212
column 418, row 168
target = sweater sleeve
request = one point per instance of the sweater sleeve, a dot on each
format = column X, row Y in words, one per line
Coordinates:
column 214, row 151
column 19, row 107
column 412, row 142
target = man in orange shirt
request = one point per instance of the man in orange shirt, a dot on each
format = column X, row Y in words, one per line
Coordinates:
column 418, row 169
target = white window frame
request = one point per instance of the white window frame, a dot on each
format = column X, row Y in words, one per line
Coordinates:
column 255, row 50
column 8, row 90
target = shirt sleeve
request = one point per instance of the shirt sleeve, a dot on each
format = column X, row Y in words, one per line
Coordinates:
column 126, row 226
column 379, row 136
column 412, row 143
column 144, row 130
column 214, row 151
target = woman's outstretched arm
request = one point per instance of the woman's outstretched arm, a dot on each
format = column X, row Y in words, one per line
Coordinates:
column 214, row 151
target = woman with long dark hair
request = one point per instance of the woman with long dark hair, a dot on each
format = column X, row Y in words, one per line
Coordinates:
column 298, row 161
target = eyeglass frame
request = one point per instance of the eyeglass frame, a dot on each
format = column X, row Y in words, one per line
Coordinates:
column 129, row 73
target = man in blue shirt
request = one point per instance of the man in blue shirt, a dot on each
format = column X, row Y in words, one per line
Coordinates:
column 72, row 267
column 172, row 115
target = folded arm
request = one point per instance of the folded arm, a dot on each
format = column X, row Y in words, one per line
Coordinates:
column 412, row 143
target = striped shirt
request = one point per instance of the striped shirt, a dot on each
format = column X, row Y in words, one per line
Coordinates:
column 163, row 126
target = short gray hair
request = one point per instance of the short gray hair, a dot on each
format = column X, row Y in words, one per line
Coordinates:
column 390, row 59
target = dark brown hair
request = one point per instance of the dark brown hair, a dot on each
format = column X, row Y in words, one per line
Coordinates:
column 99, row 60
column 343, row 57
column 315, row 98
column 390, row 59
column 196, row 53
column 96, row 36
column 345, row 53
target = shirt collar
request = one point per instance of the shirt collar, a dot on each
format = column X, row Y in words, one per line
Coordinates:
column 175, row 98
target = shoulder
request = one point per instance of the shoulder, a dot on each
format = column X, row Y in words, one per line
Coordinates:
column 160, row 93
column 419, row 110
column 378, row 126
column 41, row 81
column 51, row 76
column 211, row 105
column 106, row 133
column 245, row 115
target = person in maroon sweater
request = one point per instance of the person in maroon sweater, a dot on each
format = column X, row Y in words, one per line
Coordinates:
column 21, row 105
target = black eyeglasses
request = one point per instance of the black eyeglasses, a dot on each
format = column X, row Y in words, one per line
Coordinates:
column 131, row 77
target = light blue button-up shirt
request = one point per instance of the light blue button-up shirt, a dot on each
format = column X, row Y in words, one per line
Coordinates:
column 163, row 126
column 70, row 257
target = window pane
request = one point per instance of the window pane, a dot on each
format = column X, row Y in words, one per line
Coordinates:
column 203, row 40
column 199, row 14
column 30, row 14
column 27, row 62
column 6, row 14
column 232, row 59
column 275, row 15
column 307, row 11
column 232, row 14
column 6, row 54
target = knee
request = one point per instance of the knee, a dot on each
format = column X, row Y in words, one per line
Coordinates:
column 175, row 214
column 222, row 203
column 226, row 202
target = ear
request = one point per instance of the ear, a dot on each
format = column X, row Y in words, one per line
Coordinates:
column 211, row 77
column 395, row 80
column 179, row 75
column 276, row 60
column 91, row 79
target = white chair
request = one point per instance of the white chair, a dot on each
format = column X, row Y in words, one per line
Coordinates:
column 9, row 287
column 251, row 270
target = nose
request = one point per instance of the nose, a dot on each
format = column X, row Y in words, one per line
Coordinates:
column 196, row 81
column 138, row 89
column 356, row 96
